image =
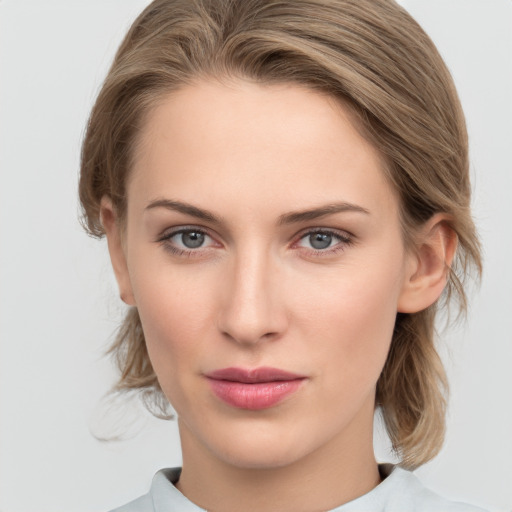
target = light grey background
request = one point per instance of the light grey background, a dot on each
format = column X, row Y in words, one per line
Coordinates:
column 59, row 305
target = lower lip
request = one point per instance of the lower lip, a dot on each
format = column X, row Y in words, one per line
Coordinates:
column 254, row 396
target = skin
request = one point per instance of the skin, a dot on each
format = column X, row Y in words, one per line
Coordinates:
column 257, row 293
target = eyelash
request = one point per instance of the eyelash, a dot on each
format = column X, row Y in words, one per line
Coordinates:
column 344, row 241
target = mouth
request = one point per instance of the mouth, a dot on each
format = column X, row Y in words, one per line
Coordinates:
column 255, row 389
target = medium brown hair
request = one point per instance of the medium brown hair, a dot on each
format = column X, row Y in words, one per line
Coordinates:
column 369, row 54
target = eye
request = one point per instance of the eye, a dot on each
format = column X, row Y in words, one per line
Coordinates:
column 185, row 241
column 321, row 240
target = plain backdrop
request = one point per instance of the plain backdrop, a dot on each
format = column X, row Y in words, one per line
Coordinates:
column 59, row 304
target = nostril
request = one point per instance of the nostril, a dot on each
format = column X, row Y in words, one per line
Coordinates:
column 249, row 338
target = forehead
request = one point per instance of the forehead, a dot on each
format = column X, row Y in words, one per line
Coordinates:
column 267, row 145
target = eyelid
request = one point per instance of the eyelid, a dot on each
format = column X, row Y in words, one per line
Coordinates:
column 172, row 230
column 342, row 233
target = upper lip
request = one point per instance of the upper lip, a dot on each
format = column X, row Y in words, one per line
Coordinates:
column 254, row 375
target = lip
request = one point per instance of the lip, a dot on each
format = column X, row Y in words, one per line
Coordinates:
column 253, row 389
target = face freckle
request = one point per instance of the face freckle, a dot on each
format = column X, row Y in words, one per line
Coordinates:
column 262, row 233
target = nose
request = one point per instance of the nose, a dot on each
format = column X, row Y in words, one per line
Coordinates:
column 252, row 306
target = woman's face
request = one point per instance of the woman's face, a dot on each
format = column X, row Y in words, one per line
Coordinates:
column 263, row 251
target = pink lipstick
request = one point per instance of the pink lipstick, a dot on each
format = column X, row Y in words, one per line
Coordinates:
column 255, row 389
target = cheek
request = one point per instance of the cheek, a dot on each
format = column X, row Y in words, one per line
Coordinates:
column 173, row 319
column 175, row 308
column 352, row 321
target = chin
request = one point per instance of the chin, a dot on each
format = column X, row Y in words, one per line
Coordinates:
column 258, row 448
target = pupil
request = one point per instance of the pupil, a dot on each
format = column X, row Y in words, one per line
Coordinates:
column 192, row 239
column 320, row 240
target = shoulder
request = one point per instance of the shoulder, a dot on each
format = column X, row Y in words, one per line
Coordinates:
column 142, row 504
column 407, row 493
column 402, row 491
column 162, row 496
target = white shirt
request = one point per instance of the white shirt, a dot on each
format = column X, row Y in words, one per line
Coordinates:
column 400, row 491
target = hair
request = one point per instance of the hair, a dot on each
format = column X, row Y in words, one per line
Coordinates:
column 369, row 54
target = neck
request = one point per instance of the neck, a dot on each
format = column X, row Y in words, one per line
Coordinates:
column 334, row 474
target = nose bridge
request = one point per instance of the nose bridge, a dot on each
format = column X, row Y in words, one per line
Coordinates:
column 252, row 309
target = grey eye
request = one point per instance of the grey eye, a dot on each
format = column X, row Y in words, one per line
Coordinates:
column 320, row 240
column 192, row 239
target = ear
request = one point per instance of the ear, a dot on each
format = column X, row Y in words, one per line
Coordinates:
column 429, row 265
column 112, row 229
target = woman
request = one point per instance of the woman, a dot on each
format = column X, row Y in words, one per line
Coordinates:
column 284, row 190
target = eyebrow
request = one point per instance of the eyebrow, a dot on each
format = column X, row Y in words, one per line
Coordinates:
column 287, row 218
column 321, row 211
column 185, row 208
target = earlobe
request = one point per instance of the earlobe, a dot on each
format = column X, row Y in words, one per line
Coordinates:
column 111, row 226
column 429, row 266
